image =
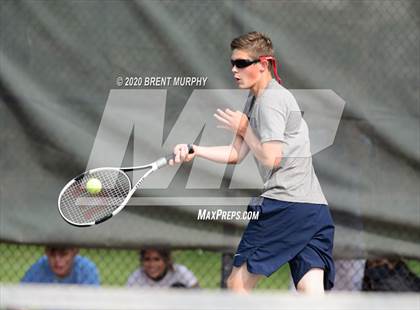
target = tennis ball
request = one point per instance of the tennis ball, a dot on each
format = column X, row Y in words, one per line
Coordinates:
column 93, row 186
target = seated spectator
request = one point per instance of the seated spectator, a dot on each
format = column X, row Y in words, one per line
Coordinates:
column 62, row 264
column 389, row 275
column 158, row 270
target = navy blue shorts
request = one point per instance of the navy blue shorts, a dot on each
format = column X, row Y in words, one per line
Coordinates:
column 299, row 233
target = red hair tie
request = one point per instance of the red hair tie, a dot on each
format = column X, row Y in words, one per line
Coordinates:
column 273, row 61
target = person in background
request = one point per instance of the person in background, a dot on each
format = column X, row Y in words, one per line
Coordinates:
column 158, row 270
column 62, row 264
column 389, row 275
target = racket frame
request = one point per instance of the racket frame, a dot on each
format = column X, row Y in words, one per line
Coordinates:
column 152, row 167
column 160, row 163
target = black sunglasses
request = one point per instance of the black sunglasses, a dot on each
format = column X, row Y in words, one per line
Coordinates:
column 243, row 63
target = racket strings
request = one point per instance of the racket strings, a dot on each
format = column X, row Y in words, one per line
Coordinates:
column 79, row 206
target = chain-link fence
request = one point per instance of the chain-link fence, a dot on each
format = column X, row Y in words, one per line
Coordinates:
column 116, row 265
column 59, row 62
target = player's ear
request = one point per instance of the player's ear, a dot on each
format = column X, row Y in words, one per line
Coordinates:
column 264, row 64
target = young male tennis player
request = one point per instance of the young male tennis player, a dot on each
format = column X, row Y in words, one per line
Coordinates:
column 295, row 224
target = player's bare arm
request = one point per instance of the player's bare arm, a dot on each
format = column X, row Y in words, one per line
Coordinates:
column 230, row 154
column 268, row 153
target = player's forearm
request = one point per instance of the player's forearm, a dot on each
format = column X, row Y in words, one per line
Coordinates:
column 220, row 154
column 263, row 153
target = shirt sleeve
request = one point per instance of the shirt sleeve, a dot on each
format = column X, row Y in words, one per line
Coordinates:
column 272, row 117
column 185, row 276
column 88, row 272
column 134, row 278
column 29, row 275
column 35, row 273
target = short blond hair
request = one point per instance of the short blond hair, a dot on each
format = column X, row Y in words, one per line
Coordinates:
column 255, row 43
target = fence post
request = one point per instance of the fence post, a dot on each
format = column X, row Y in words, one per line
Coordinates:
column 227, row 259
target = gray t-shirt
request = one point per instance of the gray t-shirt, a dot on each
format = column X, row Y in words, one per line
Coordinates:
column 275, row 116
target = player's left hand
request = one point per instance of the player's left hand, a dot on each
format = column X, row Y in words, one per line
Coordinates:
column 236, row 122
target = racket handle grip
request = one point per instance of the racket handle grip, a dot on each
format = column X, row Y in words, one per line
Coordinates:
column 190, row 148
column 165, row 160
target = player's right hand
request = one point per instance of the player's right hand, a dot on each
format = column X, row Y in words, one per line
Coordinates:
column 181, row 154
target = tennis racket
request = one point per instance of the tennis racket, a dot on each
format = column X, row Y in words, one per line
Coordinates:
column 81, row 207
